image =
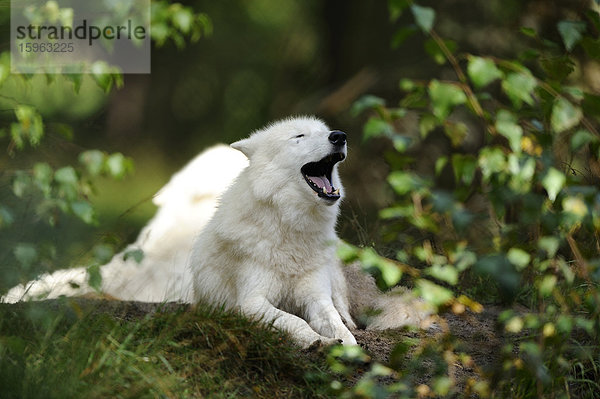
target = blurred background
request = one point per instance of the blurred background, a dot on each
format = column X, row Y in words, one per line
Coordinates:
column 264, row 60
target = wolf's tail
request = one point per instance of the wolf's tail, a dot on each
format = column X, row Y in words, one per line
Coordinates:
column 374, row 310
column 68, row 282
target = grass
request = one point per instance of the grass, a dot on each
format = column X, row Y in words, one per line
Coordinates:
column 174, row 353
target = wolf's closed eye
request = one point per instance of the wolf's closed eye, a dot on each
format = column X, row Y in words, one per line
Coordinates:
column 299, row 136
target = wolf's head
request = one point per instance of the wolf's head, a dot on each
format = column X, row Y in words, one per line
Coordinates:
column 295, row 160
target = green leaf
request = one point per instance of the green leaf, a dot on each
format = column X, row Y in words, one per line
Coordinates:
column 433, row 293
column 483, row 71
column 582, row 138
column 405, row 182
column 424, row 17
column 136, row 254
column 464, row 167
column 522, row 169
column 491, row 160
column 21, row 182
column 565, row 115
column 396, row 8
column 427, row 123
column 42, row 175
column 444, row 97
column 446, row 273
column 102, row 73
column 77, row 78
column 390, row 272
column 528, row 32
column 514, row 325
column 365, row 103
column 553, row 182
column 346, row 252
column 442, row 385
column 440, row 163
column 30, row 127
column 407, row 84
column 160, row 32
column 84, row 211
column 396, row 212
column 464, row 260
column 95, row 277
column 66, row 176
column 401, row 143
column 376, row 127
column 93, row 160
column 519, row 87
column 549, row 244
column 26, row 254
column 182, row 19
column 571, row 32
column 69, row 182
column 118, row 165
column 575, row 206
column 518, row 257
column 456, row 132
column 506, row 125
column 557, row 67
column 547, row 285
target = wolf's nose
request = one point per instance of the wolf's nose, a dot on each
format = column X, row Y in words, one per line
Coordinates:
column 337, row 138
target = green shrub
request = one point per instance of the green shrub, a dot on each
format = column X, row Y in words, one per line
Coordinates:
column 39, row 189
column 512, row 219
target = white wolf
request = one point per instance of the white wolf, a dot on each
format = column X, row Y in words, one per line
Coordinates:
column 269, row 251
column 270, row 248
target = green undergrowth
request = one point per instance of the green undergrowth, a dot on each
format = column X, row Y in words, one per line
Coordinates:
column 174, row 353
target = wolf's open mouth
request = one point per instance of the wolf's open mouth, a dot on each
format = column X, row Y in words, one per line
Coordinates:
column 318, row 176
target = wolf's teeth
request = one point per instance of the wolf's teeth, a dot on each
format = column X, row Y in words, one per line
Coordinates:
column 336, row 192
column 324, row 190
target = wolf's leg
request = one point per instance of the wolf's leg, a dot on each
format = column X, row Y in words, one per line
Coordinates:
column 341, row 305
column 262, row 309
column 325, row 319
column 339, row 294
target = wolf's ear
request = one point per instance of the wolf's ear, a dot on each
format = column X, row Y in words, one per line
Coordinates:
column 246, row 146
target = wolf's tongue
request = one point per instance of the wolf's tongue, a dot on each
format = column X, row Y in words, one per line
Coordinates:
column 321, row 182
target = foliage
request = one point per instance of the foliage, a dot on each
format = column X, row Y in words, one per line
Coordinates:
column 514, row 217
column 36, row 191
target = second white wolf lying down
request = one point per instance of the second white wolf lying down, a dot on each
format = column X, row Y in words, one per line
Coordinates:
column 185, row 204
column 269, row 251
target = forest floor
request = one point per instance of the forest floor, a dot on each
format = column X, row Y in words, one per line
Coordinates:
column 478, row 334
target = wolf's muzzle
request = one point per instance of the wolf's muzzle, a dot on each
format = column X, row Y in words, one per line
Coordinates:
column 337, row 138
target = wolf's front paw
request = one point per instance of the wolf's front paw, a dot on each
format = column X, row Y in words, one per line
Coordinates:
column 323, row 342
column 348, row 339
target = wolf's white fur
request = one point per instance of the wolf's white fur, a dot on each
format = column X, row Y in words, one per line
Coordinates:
column 270, row 248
